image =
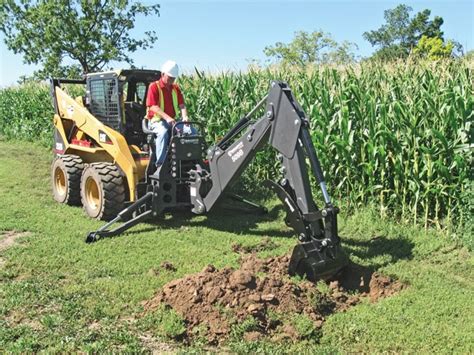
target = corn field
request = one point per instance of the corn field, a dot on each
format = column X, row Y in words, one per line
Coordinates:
column 395, row 135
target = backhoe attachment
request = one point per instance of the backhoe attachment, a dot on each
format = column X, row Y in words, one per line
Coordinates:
column 284, row 126
column 199, row 184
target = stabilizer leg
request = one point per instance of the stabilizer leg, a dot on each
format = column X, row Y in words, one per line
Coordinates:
column 126, row 216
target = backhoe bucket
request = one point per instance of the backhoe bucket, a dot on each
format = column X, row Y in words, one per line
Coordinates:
column 315, row 263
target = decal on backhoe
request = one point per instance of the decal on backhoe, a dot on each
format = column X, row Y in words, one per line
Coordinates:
column 236, row 152
column 104, row 138
column 189, row 141
column 290, row 205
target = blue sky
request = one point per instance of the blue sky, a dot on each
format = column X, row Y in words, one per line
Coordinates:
column 224, row 35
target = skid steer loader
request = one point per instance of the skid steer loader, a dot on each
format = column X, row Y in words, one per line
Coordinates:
column 105, row 161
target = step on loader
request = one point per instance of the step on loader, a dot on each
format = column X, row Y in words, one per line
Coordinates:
column 104, row 160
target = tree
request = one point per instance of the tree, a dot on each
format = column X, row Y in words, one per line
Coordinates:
column 401, row 33
column 342, row 54
column 70, row 37
column 311, row 48
column 433, row 48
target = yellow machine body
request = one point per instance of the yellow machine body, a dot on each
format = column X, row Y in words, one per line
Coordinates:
column 116, row 150
column 85, row 130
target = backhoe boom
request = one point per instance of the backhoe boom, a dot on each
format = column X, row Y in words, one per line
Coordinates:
column 285, row 127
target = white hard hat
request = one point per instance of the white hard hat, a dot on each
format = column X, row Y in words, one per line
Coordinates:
column 171, row 68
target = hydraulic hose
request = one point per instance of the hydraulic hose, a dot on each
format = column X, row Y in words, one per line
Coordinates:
column 240, row 125
column 315, row 164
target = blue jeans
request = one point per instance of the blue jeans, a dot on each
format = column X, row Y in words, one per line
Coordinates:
column 162, row 131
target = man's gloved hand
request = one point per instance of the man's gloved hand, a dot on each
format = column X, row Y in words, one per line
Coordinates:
column 187, row 129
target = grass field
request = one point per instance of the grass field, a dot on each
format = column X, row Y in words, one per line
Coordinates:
column 59, row 294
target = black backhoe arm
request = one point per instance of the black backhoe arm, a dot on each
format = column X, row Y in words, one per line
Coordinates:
column 285, row 127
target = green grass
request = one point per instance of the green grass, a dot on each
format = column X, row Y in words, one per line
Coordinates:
column 59, row 294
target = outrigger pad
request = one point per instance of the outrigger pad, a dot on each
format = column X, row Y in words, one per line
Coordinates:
column 92, row 237
column 313, row 264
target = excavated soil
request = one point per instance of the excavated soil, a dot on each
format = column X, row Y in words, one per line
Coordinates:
column 218, row 299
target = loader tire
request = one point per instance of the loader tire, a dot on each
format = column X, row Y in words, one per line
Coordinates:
column 102, row 191
column 66, row 172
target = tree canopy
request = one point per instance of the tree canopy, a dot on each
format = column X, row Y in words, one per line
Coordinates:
column 311, row 48
column 71, row 37
column 401, row 33
column 433, row 48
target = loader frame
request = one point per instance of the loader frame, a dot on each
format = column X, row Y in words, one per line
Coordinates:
column 102, row 126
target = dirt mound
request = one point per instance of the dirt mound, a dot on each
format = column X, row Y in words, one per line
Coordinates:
column 261, row 290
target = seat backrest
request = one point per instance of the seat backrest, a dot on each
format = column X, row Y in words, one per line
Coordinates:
column 132, row 129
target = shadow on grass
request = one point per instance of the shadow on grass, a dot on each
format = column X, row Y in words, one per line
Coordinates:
column 222, row 218
column 391, row 249
column 360, row 278
column 380, row 251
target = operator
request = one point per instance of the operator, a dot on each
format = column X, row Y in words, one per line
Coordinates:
column 165, row 103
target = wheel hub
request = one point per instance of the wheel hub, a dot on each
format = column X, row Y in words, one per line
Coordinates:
column 92, row 193
column 60, row 181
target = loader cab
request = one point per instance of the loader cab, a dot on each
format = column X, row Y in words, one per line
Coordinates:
column 118, row 100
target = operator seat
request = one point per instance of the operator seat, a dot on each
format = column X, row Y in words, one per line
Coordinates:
column 134, row 112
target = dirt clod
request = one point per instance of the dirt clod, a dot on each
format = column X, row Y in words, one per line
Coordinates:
column 382, row 286
column 209, row 268
column 216, row 299
column 241, row 279
column 166, row 265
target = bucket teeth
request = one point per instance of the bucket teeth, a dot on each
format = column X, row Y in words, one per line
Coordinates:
column 313, row 263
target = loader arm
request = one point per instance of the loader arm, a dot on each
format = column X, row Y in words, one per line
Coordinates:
column 285, row 127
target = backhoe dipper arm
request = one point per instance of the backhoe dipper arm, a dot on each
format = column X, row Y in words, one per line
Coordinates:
column 285, row 127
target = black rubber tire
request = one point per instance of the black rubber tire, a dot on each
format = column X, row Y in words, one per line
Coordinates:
column 102, row 191
column 66, row 172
